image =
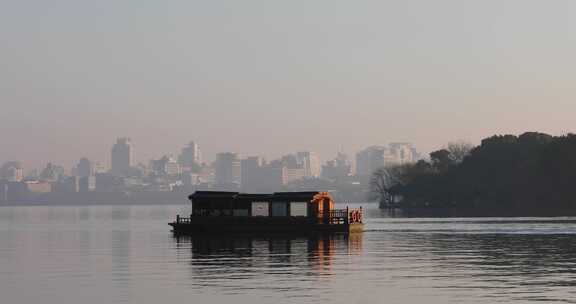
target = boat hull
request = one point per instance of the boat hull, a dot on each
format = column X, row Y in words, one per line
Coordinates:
column 246, row 225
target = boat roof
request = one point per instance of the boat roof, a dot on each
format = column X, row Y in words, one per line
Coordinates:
column 212, row 194
column 296, row 196
column 277, row 196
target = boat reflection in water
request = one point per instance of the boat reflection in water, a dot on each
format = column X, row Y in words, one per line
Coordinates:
column 222, row 261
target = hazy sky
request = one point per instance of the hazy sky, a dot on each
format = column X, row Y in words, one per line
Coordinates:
column 265, row 77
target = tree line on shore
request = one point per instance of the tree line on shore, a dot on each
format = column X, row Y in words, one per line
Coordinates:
column 533, row 171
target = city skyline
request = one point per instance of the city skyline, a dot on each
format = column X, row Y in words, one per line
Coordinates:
column 167, row 177
column 123, row 150
column 102, row 154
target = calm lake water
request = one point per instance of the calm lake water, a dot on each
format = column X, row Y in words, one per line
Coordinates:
column 126, row 254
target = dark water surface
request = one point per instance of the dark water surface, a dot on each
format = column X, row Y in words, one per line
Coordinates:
column 126, row 254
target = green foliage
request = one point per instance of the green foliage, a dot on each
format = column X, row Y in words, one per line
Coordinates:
column 532, row 171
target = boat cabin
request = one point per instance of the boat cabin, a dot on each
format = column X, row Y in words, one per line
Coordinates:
column 281, row 211
column 280, row 204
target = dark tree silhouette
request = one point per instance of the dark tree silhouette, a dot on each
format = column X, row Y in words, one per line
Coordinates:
column 458, row 151
column 381, row 185
column 533, row 173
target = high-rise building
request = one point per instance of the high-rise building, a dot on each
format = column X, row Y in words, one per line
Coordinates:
column 99, row 168
column 297, row 174
column 375, row 157
column 165, row 166
column 290, row 161
column 272, row 179
column 403, row 153
column 190, row 155
column 250, row 173
column 84, row 168
column 259, row 177
column 370, row 160
column 121, row 157
column 337, row 168
column 87, row 184
column 310, row 162
column 52, row 172
column 12, row 171
column 227, row 170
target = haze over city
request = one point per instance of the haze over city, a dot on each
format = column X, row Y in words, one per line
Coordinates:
column 263, row 78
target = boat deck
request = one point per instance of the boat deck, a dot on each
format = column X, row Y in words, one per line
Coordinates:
column 333, row 221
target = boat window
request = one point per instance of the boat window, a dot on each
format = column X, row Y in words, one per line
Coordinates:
column 298, row 209
column 279, row 209
column 260, row 209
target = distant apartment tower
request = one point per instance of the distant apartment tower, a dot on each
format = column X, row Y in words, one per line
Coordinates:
column 294, row 167
column 87, row 184
column 121, row 157
column 402, row 153
column 310, row 162
column 337, row 168
column 84, row 168
column 52, row 172
column 227, row 170
column 369, row 160
column 165, row 166
column 259, row 177
column 375, row 157
column 251, row 169
column 272, row 179
column 12, row 171
column 190, row 155
column 250, row 173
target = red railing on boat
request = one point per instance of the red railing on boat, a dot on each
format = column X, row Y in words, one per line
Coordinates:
column 342, row 216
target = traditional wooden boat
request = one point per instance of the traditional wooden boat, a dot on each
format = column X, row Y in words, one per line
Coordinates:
column 280, row 212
